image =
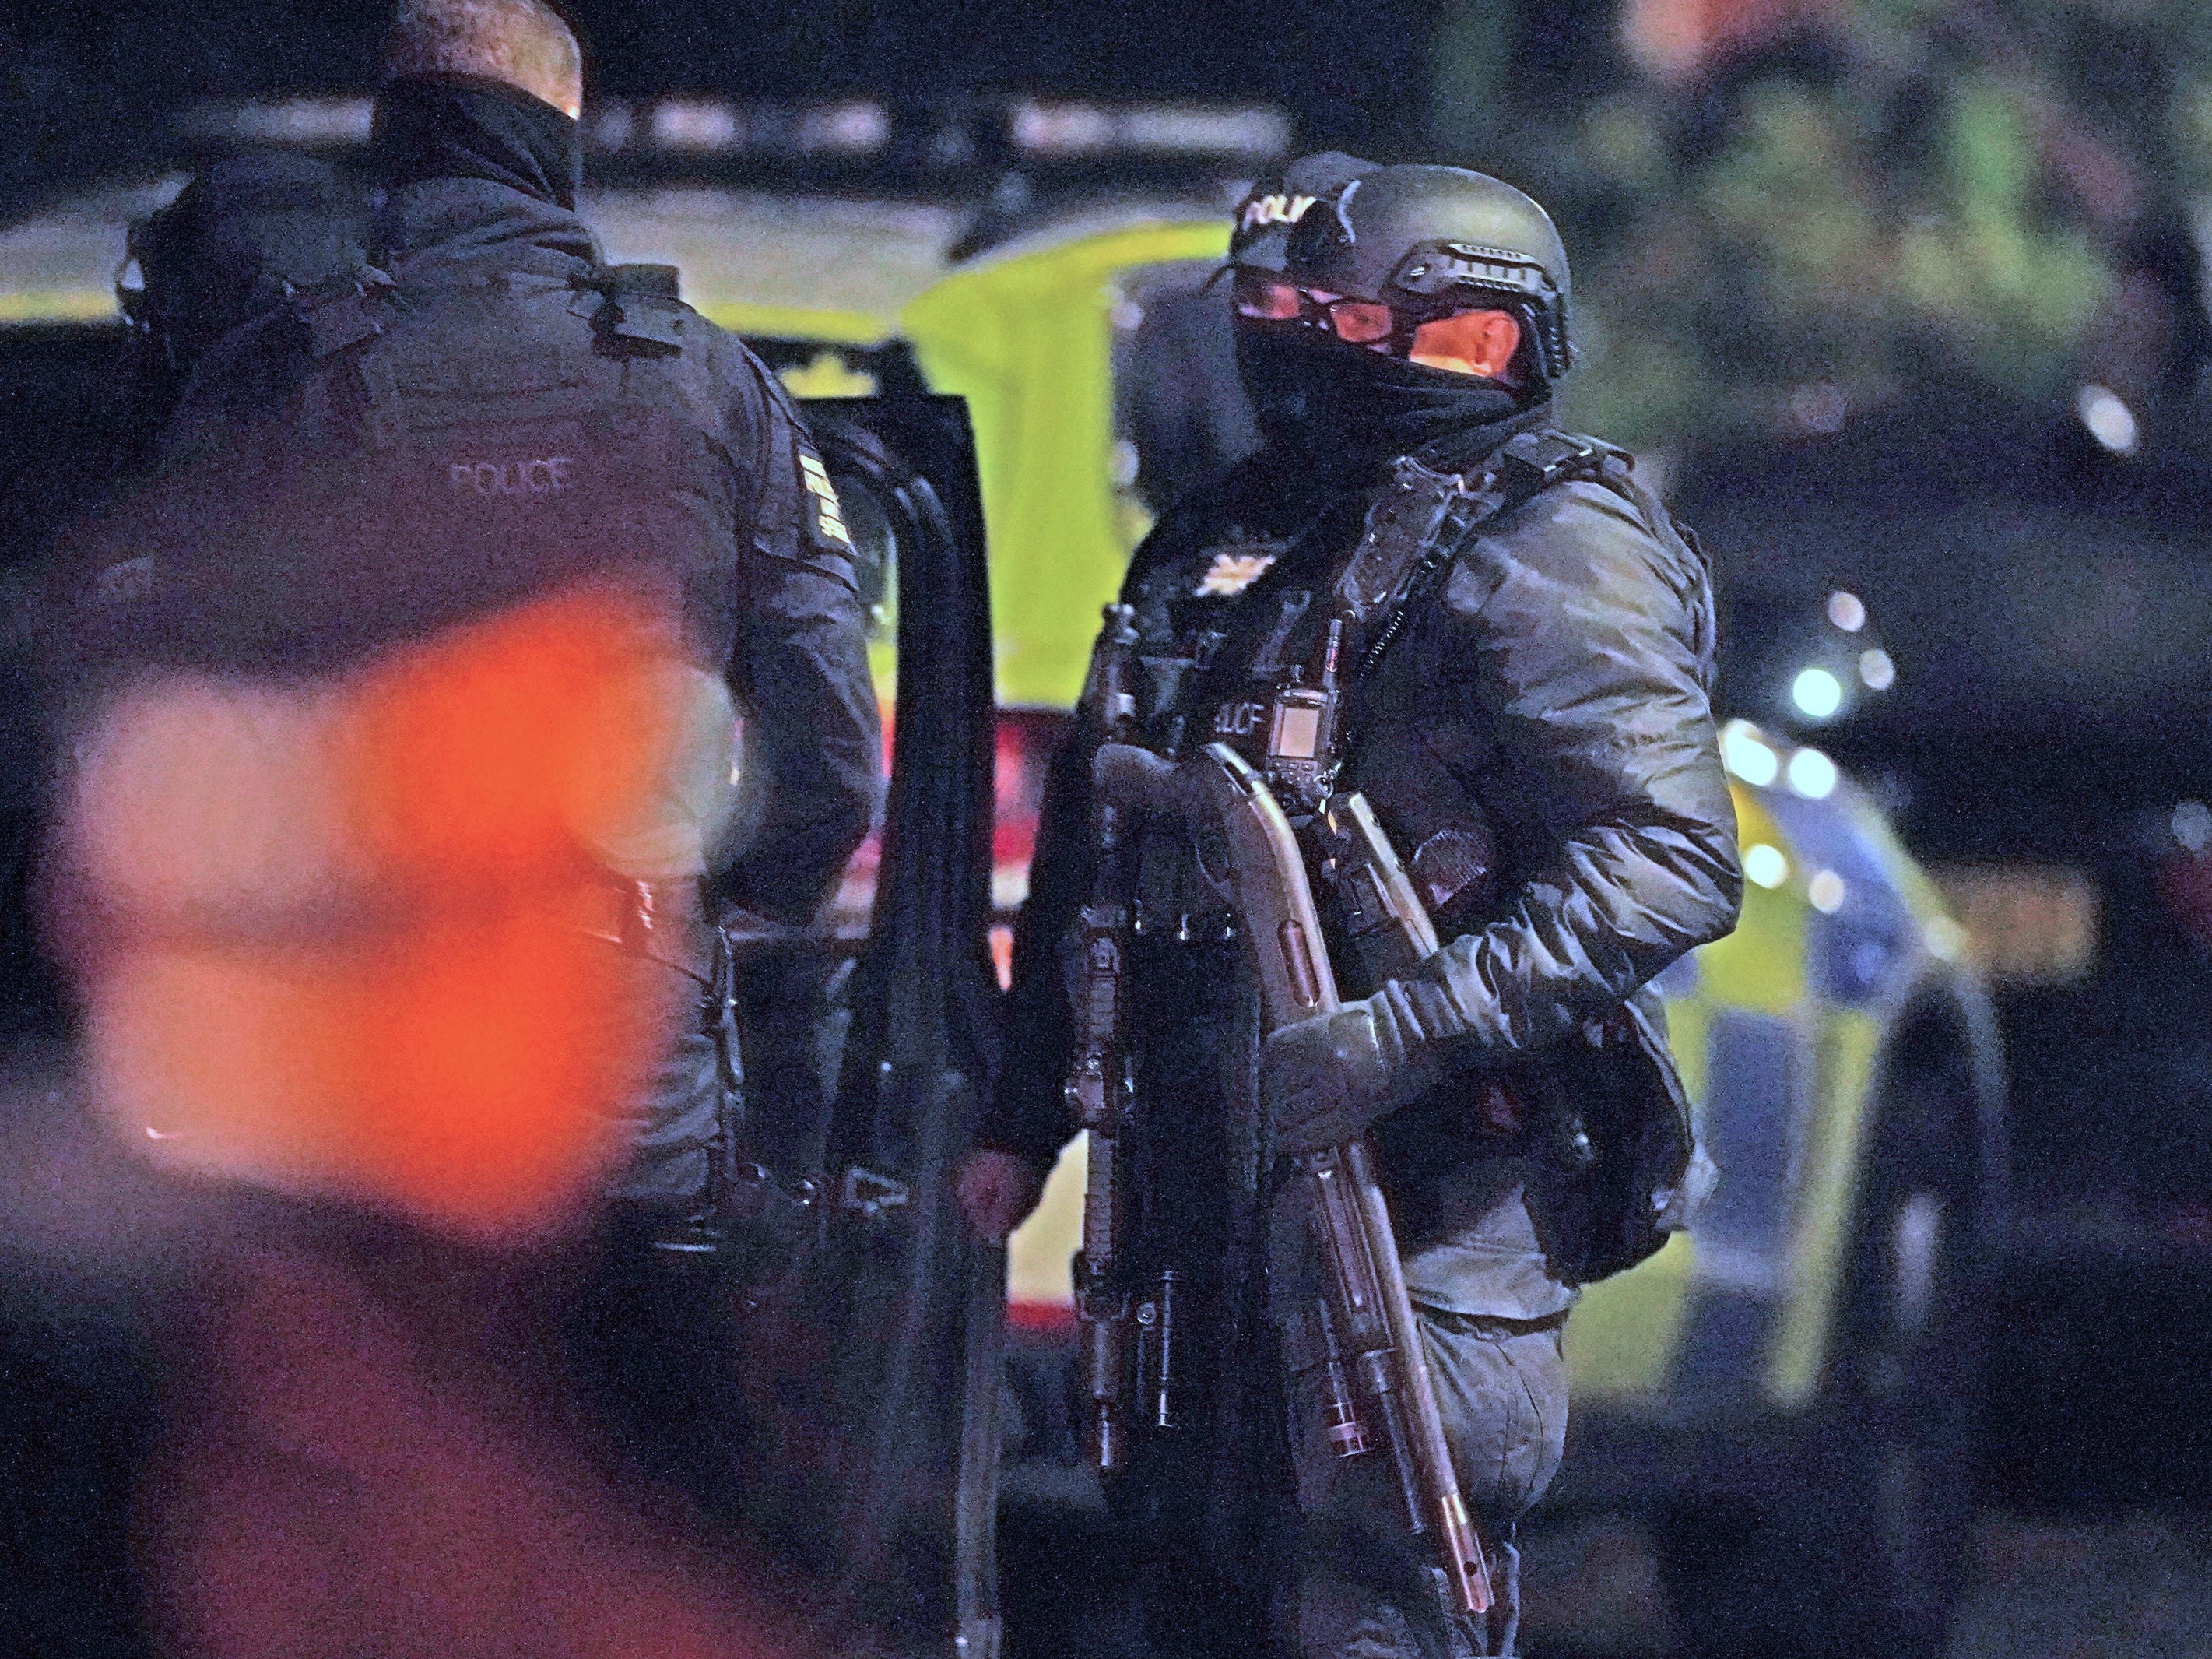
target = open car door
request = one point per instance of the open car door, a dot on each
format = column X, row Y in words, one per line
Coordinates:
column 867, row 1047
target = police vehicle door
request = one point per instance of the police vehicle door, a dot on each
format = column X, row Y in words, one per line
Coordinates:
column 866, row 1047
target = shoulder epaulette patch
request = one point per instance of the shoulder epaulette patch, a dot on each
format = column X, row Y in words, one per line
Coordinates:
column 826, row 518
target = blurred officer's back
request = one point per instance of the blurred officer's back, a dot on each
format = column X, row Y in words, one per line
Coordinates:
column 398, row 698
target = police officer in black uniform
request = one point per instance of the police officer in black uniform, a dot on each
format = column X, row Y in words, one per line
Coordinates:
column 1516, row 645
column 488, row 317
column 482, row 410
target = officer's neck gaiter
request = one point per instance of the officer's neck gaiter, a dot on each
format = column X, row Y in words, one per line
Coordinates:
column 455, row 126
column 1347, row 414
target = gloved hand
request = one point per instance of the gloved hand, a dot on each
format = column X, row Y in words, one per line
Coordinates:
column 1326, row 1081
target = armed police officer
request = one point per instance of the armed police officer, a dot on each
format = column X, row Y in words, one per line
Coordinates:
column 1419, row 592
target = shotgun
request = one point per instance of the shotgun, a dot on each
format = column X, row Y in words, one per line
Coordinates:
column 1247, row 850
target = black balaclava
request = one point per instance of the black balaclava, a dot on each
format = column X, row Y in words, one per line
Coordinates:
column 464, row 127
column 1346, row 413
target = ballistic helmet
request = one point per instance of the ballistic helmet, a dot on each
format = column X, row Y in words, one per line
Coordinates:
column 1424, row 242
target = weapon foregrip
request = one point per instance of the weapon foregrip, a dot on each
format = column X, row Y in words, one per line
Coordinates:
column 1257, row 855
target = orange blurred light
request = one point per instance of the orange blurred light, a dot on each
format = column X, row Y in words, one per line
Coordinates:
column 1674, row 40
column 358, row 1470
column 341, row 941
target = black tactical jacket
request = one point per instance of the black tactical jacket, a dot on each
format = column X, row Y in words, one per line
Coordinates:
column 1549, row 701
column 491, row 324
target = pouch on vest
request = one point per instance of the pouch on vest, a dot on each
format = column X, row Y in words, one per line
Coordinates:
column 644, row 309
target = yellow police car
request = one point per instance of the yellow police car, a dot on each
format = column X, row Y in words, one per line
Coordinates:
column 1788, row 1394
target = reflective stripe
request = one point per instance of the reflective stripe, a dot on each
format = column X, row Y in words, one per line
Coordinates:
column 1828, row 1184
column 59, row 305
column 797, row 322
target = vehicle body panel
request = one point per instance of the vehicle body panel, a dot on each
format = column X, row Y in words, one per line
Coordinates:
column 1024, row 337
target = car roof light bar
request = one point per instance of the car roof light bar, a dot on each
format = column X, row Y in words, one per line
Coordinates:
column 695, row 127
column 1079, row 128
column 316, row 122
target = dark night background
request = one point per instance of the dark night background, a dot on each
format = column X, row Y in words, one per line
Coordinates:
column 83, row 86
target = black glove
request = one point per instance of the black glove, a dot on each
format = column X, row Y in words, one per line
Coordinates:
column 1327, row 1079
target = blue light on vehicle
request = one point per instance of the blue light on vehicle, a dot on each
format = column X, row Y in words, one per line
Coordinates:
column 1745, row 750
column 1765, row 866
column 1812, row 774
column 1876, row 670
column 1818, row 694
column 1826, row 892
column 2111, row 421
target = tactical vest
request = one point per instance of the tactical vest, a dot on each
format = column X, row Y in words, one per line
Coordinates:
column 1276, row 649
column 376, row 462
column 421, row 454
column 1271, row 647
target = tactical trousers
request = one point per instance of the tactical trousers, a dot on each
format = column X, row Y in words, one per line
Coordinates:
column 681, row 1117
column 675, row 1127
column 1366, row 1586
